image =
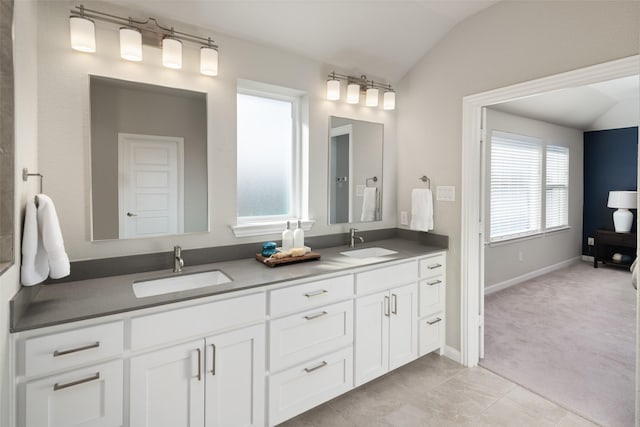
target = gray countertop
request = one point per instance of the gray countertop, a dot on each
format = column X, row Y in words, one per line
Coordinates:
column 53, row 304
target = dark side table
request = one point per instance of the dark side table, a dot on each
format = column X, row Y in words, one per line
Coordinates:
column 605, row 239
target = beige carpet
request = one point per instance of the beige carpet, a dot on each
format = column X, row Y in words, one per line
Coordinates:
column 570, row 337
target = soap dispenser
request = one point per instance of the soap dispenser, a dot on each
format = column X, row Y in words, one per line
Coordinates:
column 298, row 236
column 287, row 238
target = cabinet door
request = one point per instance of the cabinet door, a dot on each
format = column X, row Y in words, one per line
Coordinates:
column 88, row 397
column 167, row 387
column 235, row 384
column 372, row 337
column 403, row 340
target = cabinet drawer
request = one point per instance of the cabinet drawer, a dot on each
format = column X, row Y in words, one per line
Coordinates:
column 303, row 336
column 300, row 388
column 196, row 321
column 89, row 397
column 386, row 277
column 432, row 295
column 431, row 334
column 63, row 350
column 309, row 295
column 433, row 265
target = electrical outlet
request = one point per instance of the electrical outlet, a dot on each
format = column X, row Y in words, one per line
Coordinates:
column 590, row 241
column 404, row 218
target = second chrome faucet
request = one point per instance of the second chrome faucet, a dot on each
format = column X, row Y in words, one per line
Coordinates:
column 178, row 262
column 353, row 236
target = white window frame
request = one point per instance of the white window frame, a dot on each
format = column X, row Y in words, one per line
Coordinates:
column 542, row 228
column 269, row 224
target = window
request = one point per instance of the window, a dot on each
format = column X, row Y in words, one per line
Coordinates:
column 557, row 188
column 271, row 165
column 518, row 198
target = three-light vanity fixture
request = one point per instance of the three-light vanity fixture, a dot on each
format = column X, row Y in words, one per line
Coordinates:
column 357, row 85
column 134, row 33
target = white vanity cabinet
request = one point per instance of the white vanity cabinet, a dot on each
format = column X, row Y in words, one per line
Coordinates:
column 214, row 381
column 431, row 324
column 311, row 349
column 72, row 378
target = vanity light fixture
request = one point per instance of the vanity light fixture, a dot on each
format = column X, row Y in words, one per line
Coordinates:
column 358, row 85
column 83, row 31
column 131, row 44
column 134, row 33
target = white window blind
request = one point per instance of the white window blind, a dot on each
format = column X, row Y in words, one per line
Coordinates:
column 557, row 186
column 516, row 185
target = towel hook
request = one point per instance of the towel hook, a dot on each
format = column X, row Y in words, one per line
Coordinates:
column 426, row 180
column 26, row 175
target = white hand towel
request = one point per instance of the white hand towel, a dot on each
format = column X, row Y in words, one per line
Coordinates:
column 52, row 241
column 421, row 209
column 35, row 267
column 369, row 204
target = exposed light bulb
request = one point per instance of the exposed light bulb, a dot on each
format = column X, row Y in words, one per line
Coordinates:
column 83, row 34
column 333, row 89
column 372, row 97
column 172, row 53
column 130, row 44
column 208, row 61
column 353, row 93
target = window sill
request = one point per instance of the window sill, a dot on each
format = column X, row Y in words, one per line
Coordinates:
column 264, row 228
column 527, row 237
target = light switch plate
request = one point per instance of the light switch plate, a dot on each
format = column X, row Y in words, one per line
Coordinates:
column 446, row 193
column 404, row 218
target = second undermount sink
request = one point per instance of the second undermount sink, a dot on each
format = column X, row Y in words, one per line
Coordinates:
column 368, row 252
column 179, row 282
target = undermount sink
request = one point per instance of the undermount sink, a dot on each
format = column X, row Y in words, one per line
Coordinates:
column 179, row 282
column 368, row 252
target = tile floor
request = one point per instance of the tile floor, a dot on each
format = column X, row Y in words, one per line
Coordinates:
column 435, row 391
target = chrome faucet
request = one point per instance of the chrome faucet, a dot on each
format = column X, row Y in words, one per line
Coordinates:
column 178, row 262
column 353, row 237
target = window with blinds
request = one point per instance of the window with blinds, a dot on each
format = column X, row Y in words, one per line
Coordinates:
column 516, row 185
column 557, row 186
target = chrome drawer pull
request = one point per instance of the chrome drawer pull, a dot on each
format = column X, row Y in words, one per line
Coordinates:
column 213, row 359
column 315, row 316
column 395, row 304
column 58, row 386
column 199, row 364
column 435, row 282
column 386, row 306
column 74, row 350
column 316, row 293
column 321, row 365
column 433, row 322
column 432, row 266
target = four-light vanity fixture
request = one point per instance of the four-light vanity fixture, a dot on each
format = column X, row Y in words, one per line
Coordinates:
column 356, row 85
column 134, row 33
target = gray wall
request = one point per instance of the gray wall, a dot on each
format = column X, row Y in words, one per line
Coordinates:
column 120, row 107
column 509, row 42
column 502, row 260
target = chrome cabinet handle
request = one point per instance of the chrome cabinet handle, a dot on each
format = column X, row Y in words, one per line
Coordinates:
column 433, row 322
column 321, row 365
column 199, row 364
column 213, row 359
column 58, row 386
column 316, row 293
column 395, row 304
column 432, row 266
column 435, row 282
column 386, row 306
column 75, row 350
column 315, row 316
column 131, row 214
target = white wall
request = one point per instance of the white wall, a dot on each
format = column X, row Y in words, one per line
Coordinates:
column 63, row 106
column 507, row 43
column 502, row 260
column 26, row 156
column 624, row 114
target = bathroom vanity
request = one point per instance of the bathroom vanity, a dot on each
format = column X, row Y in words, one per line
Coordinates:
column 256, row 351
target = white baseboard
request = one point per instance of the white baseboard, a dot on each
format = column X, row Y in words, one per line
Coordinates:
column 452, row 354
column 516, row 280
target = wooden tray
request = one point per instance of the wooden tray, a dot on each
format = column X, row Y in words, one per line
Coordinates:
column 310, row 256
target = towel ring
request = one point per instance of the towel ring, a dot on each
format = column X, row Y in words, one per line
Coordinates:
column 426, row 180
column 374, row 179
column 26, row 175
